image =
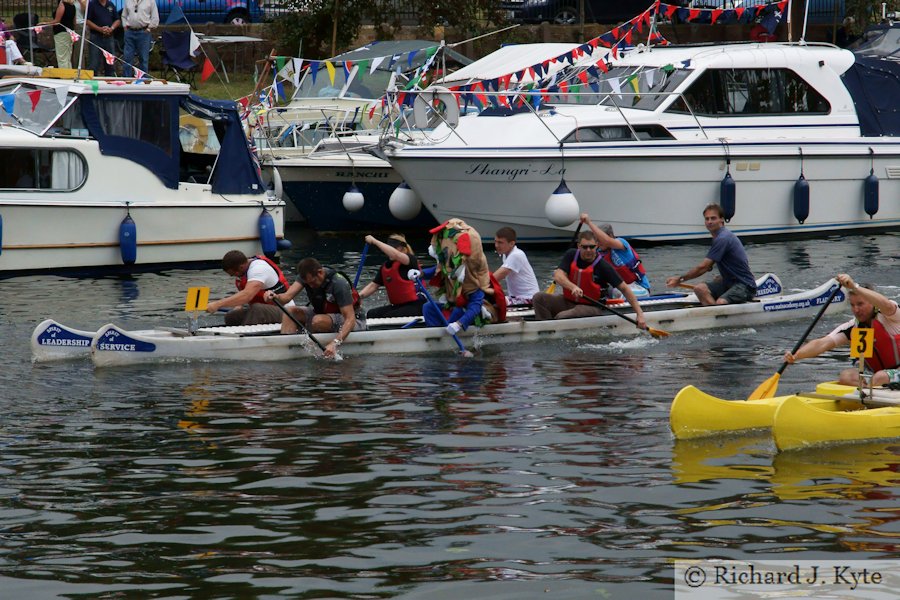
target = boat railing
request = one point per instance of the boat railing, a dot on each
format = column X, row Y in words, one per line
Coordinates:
column 511, row 102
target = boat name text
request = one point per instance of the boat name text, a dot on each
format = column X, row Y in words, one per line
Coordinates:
column 512, row 174
column 117, row 347
column 362, row 174
column 66, row 342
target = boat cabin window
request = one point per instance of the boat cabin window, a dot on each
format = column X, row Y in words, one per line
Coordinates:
column 36, row 108
column 617, row 133
column 41, row 169
column 145, row 120
column 750, row 92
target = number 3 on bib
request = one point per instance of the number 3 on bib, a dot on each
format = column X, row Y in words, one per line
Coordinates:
column 862, row 342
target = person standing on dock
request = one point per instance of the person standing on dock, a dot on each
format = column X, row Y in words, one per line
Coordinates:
column 516, row 270
column 393, row 275
column 102, row 20
column 138, row 18
column 253, row 277
column 333, row 303
column 735, row 284
column 63, row 22
column 870, row 309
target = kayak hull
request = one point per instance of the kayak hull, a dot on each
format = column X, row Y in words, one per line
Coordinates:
column 799, row 424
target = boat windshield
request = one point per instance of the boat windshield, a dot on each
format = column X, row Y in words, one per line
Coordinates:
column 362, row 83
column 38, row 109
column 642, row 88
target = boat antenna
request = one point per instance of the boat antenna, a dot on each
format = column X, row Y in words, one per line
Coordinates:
column 805, row 19
column 84, row 41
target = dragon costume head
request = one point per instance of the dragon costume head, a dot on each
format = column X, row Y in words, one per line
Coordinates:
column 462, row 266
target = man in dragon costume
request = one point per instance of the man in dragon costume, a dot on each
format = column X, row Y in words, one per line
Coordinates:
column 467, row 286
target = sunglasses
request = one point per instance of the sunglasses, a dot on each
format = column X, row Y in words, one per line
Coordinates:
column 587, row 247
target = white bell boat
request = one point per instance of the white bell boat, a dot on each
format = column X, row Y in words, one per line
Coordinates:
column 668, row 128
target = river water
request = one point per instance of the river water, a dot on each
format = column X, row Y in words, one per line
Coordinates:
column 528, row 471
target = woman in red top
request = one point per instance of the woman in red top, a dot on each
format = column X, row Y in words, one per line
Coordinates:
column 401, row 292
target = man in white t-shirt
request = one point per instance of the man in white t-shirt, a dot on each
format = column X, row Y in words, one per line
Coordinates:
column 870, row 309
column 516, row 270
column 254, row 276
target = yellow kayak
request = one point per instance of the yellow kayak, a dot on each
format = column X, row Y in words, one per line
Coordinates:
column 697, row 414
column 799, row 423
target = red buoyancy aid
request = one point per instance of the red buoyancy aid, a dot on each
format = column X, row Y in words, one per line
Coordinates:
column 886, row 353
column 399, row 290
column 630, row 272
column 584, row 278
column 318, row 297
column 279, row 288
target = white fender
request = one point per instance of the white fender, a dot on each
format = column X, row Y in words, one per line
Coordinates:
column 435, row 99
column 277, row 184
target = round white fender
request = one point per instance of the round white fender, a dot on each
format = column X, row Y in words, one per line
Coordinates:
column 437, row 100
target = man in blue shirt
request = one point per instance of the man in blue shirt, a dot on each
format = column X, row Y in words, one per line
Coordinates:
column 102, row 20
column 736, row 283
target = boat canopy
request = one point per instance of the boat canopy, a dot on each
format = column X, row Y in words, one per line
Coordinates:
column 144, row 129
column 874, row 85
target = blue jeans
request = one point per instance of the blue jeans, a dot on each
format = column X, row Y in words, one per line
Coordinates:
column 137, row 45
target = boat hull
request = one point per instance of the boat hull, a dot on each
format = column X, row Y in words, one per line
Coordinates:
column 657, row 192
column 317, row 190
column 113, row 346
column 799, row 423
column 696, row 414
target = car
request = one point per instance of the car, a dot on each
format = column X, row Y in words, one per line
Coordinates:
column 233, row 12
column 565, row 12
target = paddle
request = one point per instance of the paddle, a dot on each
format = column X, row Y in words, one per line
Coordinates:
column 768, row 387
column 362, row 261
column 657, row 333
column 298, row 324
column 195, row 302
column 551, row 289
column 424, row 290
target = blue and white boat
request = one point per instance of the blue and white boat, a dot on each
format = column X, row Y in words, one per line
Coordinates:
column 97, row 174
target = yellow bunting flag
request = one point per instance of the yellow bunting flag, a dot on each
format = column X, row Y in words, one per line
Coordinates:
column 197, row 299
column 330, row 68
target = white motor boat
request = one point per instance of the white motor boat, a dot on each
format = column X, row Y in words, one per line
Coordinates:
column 95, row 174
column 792, row 139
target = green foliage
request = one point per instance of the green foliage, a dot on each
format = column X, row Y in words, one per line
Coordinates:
column 307, row 29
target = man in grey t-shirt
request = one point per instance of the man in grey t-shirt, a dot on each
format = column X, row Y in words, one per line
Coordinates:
column 736, row 283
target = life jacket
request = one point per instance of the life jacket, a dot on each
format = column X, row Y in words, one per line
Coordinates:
column 886, row 353
column 633, row 270
column 584, row 278
column 399, row 290
column 279, row 288
column 318, row 297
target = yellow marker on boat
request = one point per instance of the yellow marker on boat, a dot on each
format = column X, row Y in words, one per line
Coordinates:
column 197, row 299
column 862, row 342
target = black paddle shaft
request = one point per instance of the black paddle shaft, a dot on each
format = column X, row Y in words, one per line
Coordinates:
column 299, row 324
column 811, row 326
column 599, row 304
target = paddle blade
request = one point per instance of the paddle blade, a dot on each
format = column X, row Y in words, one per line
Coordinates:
column 197, row 299
column 658, row 333
column 551, row 289
column 766, row 389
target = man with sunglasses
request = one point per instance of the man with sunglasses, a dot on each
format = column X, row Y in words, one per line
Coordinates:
column 583, row 276
column 736, row 283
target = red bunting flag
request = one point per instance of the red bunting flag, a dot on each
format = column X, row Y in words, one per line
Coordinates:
column 35, row 97
column 716, row 13
column 208, row 69
column 583, row 77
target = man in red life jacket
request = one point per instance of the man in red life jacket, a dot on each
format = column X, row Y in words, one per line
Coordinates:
column 583, row 273
column 333, row 303
column 253, row 277
column 870, row 309
column 393, row 275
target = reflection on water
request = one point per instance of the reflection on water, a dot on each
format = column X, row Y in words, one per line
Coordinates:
column 531, row 470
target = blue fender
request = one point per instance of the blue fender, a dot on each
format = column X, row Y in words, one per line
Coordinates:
column 128, row 240
column 267, row 234
column 727, row 195
column 801, row 199
column 870, row 202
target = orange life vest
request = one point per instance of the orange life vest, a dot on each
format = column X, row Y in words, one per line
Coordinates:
column 584, row 278
column 399, row 290
column 886, row 353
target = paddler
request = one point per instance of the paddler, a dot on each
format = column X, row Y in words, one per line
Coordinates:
column 870, row 309
column 333, row 303
column 619, row 253
column 394, row 276
column 252, row 277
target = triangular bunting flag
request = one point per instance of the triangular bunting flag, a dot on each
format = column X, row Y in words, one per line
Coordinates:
column 330, row 68
column 208, row 69
column 62, row 94
column 109, row 57
column 35, row 97
column 8, row 101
